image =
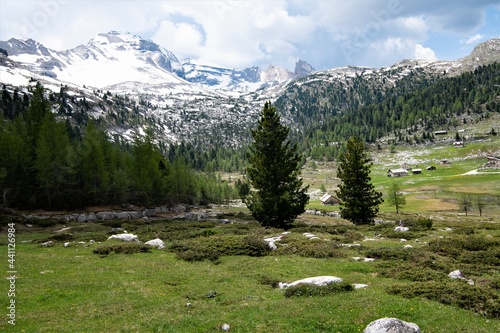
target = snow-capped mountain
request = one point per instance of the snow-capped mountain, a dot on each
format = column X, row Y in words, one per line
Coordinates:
column 113, row 59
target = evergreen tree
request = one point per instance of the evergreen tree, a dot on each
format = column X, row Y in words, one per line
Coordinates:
column 274, row 169
column 359, row 200
column 395, row 197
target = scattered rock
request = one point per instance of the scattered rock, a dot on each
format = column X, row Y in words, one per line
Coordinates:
column 391, row 325
column 188, row 305
column 125, row 237
column 271, row 241
column 48, row 244
column 66, row 244
column 350, row 245
column 157, row 243
column 401, row 229
column 118, row 230
column 225, row 327
column 359, row 285
column 403, row 240
column 363, row 259
column 459, row 275
column 408, row 246
column 317, row 280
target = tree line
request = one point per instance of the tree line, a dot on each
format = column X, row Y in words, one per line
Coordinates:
column 48, row 163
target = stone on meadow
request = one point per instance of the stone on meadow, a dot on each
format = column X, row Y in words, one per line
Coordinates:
column 401, row 229
column 391, row 325
column 317, row 280
column 125, row 237
column 157, row 243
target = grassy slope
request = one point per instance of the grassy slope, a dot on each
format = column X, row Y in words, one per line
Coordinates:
column 73, row 290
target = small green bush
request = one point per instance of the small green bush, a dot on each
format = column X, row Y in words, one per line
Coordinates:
column 457, row 293
column 125, row 248
column 308, row 290
column 490, row 257
column 320, row 249
column 463, row 231
column 389, row 253
column 44, row 223
column 58, row 238
column 269, row 281
column 454, row 246
column 212, row 247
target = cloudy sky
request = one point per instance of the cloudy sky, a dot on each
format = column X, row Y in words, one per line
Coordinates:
column 240, row 33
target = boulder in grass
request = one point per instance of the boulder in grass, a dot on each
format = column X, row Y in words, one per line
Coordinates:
column 317, row 280
column 157, row 243
column 125, row 237
column 391, row 325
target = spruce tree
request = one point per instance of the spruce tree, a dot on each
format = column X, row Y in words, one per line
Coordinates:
column 359, row 200
column 277, row 197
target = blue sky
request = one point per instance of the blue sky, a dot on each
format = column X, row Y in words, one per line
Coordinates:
column 240, row 33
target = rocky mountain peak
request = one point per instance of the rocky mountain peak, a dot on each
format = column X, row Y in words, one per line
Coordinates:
column 302, row 68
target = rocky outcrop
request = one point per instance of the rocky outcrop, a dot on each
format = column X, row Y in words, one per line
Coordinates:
column 391, row 325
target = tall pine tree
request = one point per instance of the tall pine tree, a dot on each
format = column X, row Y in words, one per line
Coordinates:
column 277, row 197
column 359, row 200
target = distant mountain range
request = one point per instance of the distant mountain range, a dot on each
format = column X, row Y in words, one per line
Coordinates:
column 110, row 59
column 131, row 83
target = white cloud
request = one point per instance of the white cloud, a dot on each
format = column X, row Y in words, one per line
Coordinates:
column 234, row 33
column 184, row 38
column 474, row 39
column 424, row 53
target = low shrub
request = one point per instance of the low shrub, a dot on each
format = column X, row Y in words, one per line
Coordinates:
column 455, row 245
column 411, row 272
column 463, row 231
column 320, row 249
column 44, row 223
column 456, row 293
column 212, row 247
column 123, row 248
column 390, row 253
column 269, row 281
column 406, row 235
column 58, row 238
column 308, row 290
column 420, row 223
column 490, row 257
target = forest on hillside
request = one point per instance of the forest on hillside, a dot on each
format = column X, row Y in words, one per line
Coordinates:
column 51, row 164
column 409, row 112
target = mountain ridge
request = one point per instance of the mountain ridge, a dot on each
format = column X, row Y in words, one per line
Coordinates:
column 190, row 100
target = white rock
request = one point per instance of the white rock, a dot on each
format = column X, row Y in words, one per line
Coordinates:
column 401, row 229
column 271, row 242
column 391, row 325
column 403, row 240
column 48, row 244
column 225, row 327
column 317, row 280
column 125, row 237
column 158, row 243
column 408, row 246
column 359, row 285
column 459, row 275
column 66, row 244
column 308, row 235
